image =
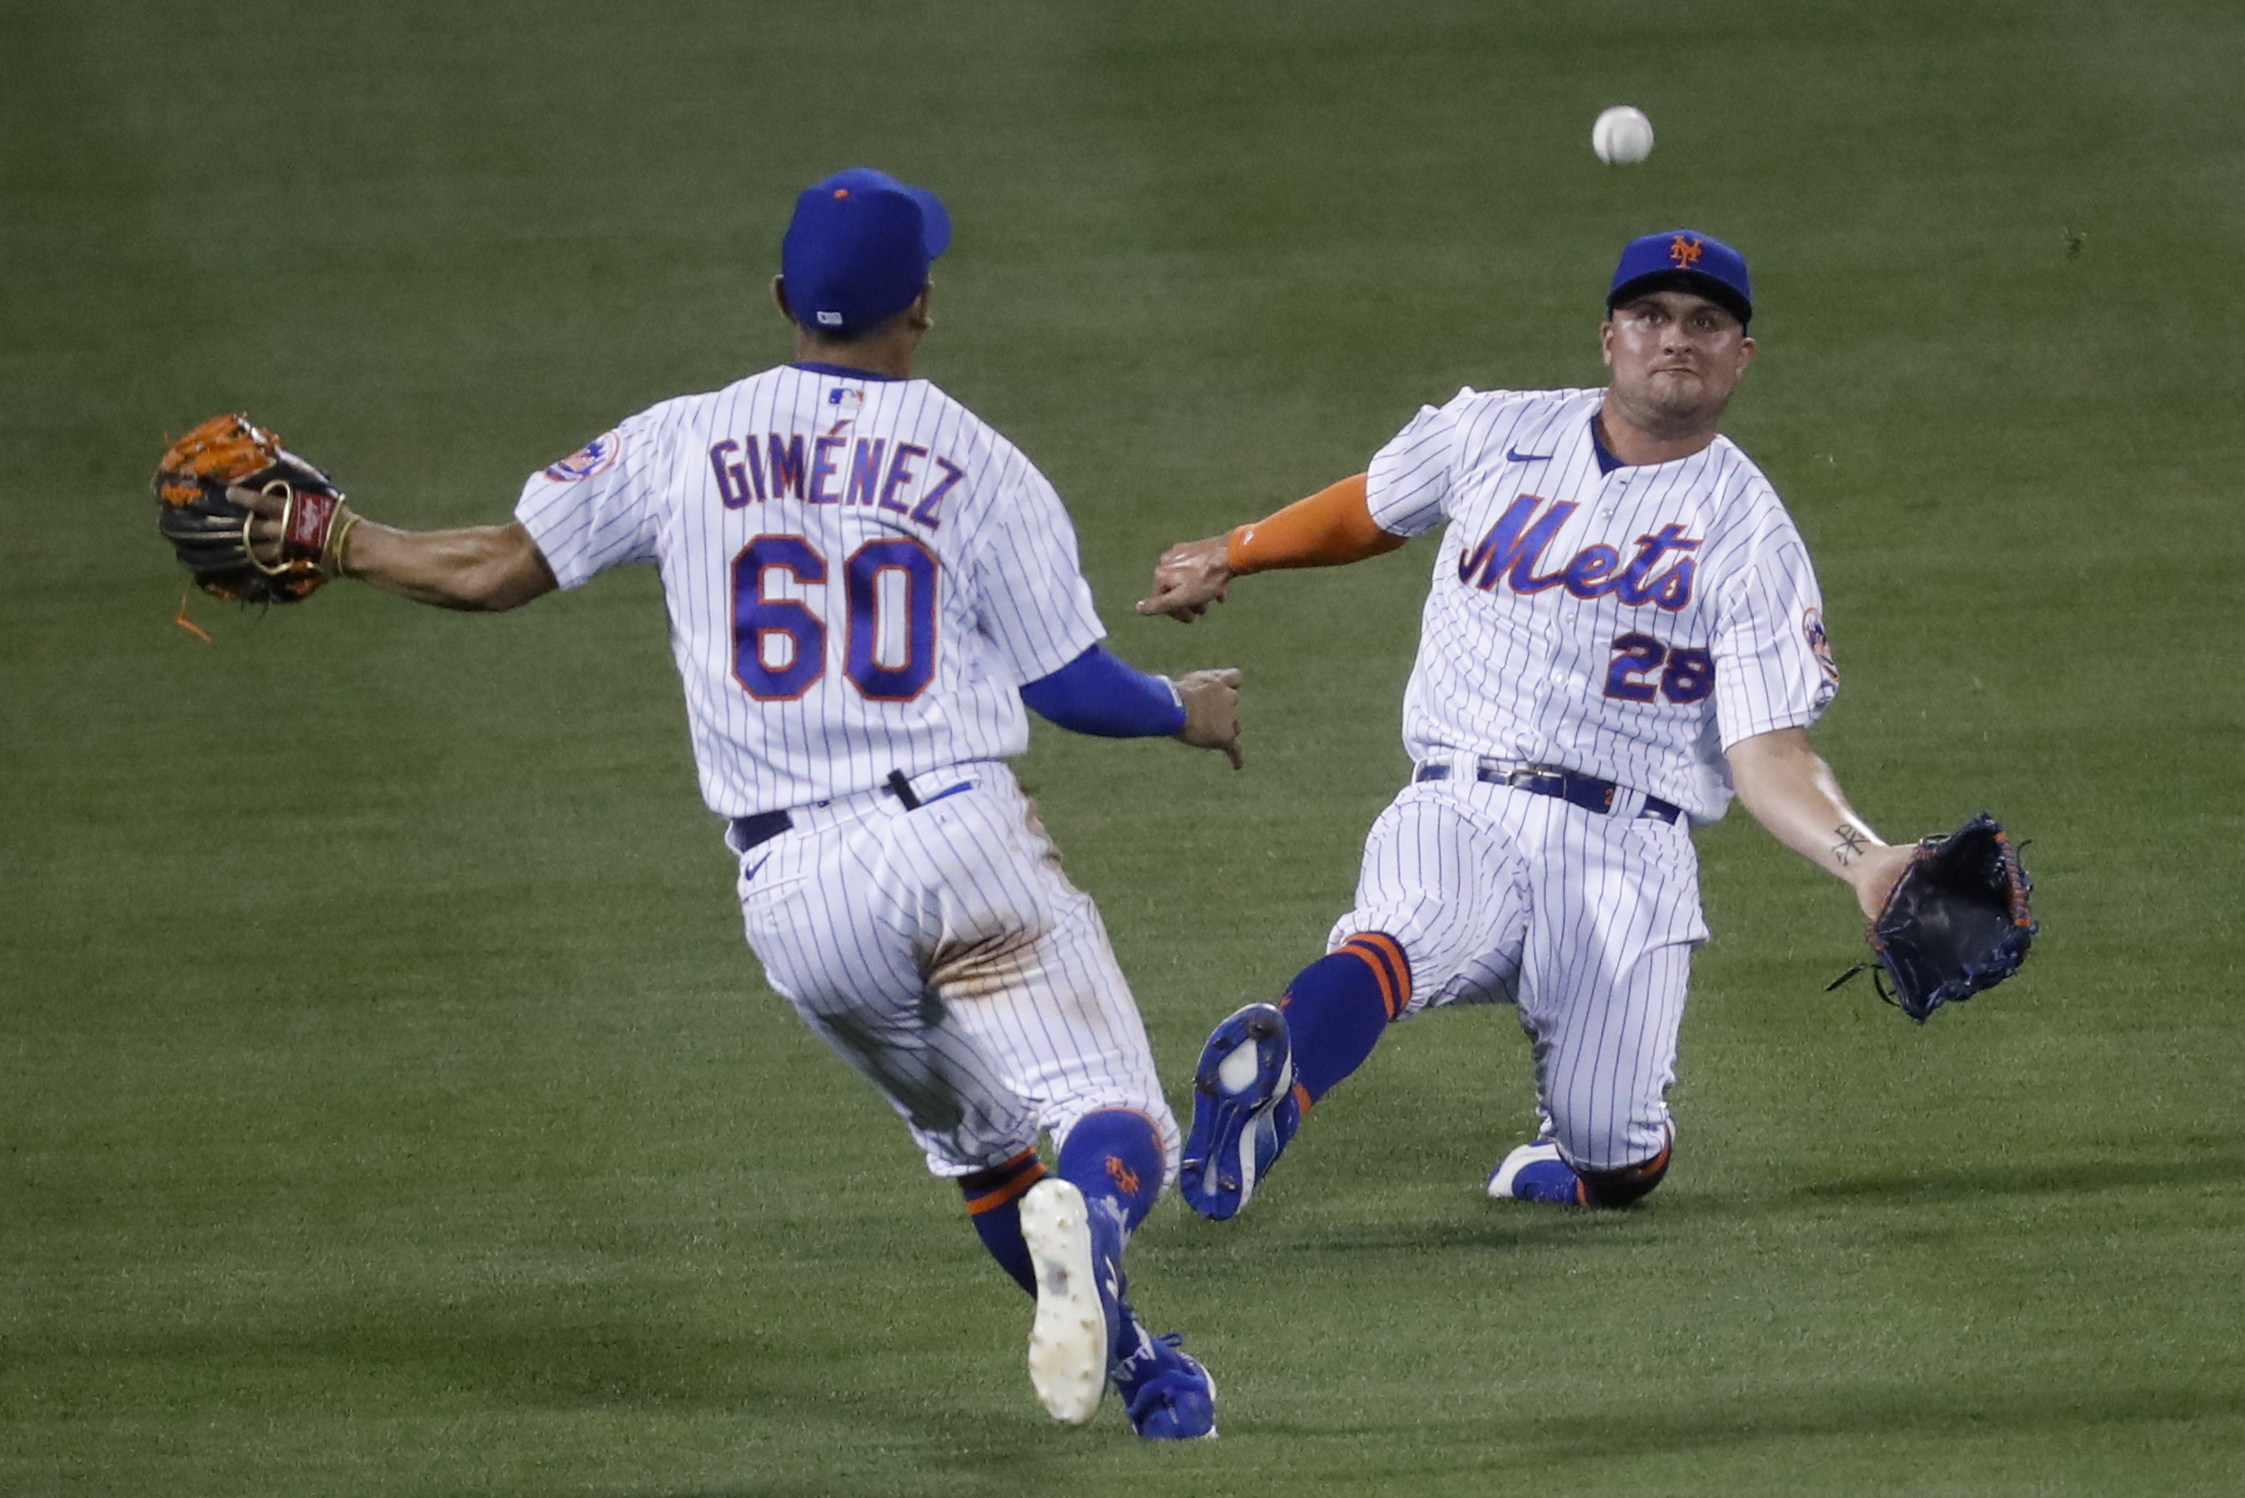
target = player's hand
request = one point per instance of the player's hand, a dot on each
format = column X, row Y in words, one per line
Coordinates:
column 1874, row 874
column 265, row 530
column 1212, row 711
column 1189, row 577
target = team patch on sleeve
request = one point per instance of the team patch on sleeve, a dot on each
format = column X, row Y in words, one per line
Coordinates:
column 594, row 457
column 1819, row 644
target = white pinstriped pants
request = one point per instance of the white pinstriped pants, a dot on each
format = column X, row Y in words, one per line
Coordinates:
column 943, row 954
column 1586, row 921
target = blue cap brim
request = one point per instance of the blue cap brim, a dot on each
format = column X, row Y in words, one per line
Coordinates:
column 1721, row 293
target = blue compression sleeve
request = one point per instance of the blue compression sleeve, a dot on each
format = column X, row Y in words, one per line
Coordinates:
column 1098, row 693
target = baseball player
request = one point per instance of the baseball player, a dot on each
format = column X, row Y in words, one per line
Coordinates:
column 865, row 585
column 1623, row 631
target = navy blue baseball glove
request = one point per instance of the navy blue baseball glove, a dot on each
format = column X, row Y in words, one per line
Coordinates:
column 1957, row 921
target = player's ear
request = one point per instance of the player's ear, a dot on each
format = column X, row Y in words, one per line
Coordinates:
column 1606, row 340
column 779, row 297
column 920, row 318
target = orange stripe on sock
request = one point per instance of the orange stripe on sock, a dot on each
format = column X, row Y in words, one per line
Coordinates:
column 1382, row 950
column 1384, row 955
column 1303, row 1099
column 1020, row 1173
column 1379, row 973
column 1659, row 1162
column 1393, row 950
column 1364, row 952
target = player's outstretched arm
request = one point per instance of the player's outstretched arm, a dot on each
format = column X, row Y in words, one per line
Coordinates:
column 482, row 568
column 1331, row 527
column 489, row 568
column 1100, row 694
column 1791, row 791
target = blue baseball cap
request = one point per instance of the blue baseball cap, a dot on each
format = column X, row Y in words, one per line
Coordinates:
column 1684, row 259
column 858, row 249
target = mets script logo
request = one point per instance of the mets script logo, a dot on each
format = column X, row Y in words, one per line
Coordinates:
column 1660, row 573
column 1685, row 252
column 594, row 457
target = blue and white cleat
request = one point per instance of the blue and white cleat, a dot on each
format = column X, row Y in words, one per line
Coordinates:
column 1085, row 1335
column 1069, row 1341
column 1535, row 1173
column 1244, row 1111
column 1164, row 1389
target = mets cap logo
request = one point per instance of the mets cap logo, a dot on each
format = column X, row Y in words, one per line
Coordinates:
column 1685, row 252
column 594, row 457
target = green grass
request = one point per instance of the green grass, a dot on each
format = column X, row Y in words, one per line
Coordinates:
column 388, row 1104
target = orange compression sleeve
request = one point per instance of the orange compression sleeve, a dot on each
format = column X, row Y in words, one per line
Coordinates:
column 1332, row 526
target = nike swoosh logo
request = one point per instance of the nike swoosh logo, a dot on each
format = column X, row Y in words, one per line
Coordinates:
column 753, row 869
column 1515, row 455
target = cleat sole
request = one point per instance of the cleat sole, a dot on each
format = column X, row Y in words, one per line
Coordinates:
column 1068, row 1340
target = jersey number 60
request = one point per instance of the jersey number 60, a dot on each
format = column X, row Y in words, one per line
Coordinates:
column 756, row 618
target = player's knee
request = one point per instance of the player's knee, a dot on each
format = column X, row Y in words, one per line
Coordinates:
column 1629, row 1184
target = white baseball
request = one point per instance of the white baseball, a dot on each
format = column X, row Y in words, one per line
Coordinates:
column 1622, row 135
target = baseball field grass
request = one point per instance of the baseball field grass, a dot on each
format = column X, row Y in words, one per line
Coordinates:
column 388, row 1104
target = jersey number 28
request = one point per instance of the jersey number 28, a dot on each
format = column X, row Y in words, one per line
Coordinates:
column 1686, row 675
column 899, row 573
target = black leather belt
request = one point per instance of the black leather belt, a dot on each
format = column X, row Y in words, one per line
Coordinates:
column 1585, row 791
column 766, row 825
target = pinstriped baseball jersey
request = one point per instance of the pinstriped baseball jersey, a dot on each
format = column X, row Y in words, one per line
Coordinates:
column 860, row 575
column 1631, row 625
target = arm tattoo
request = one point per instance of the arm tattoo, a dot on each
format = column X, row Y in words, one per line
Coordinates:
column 1850, row 845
